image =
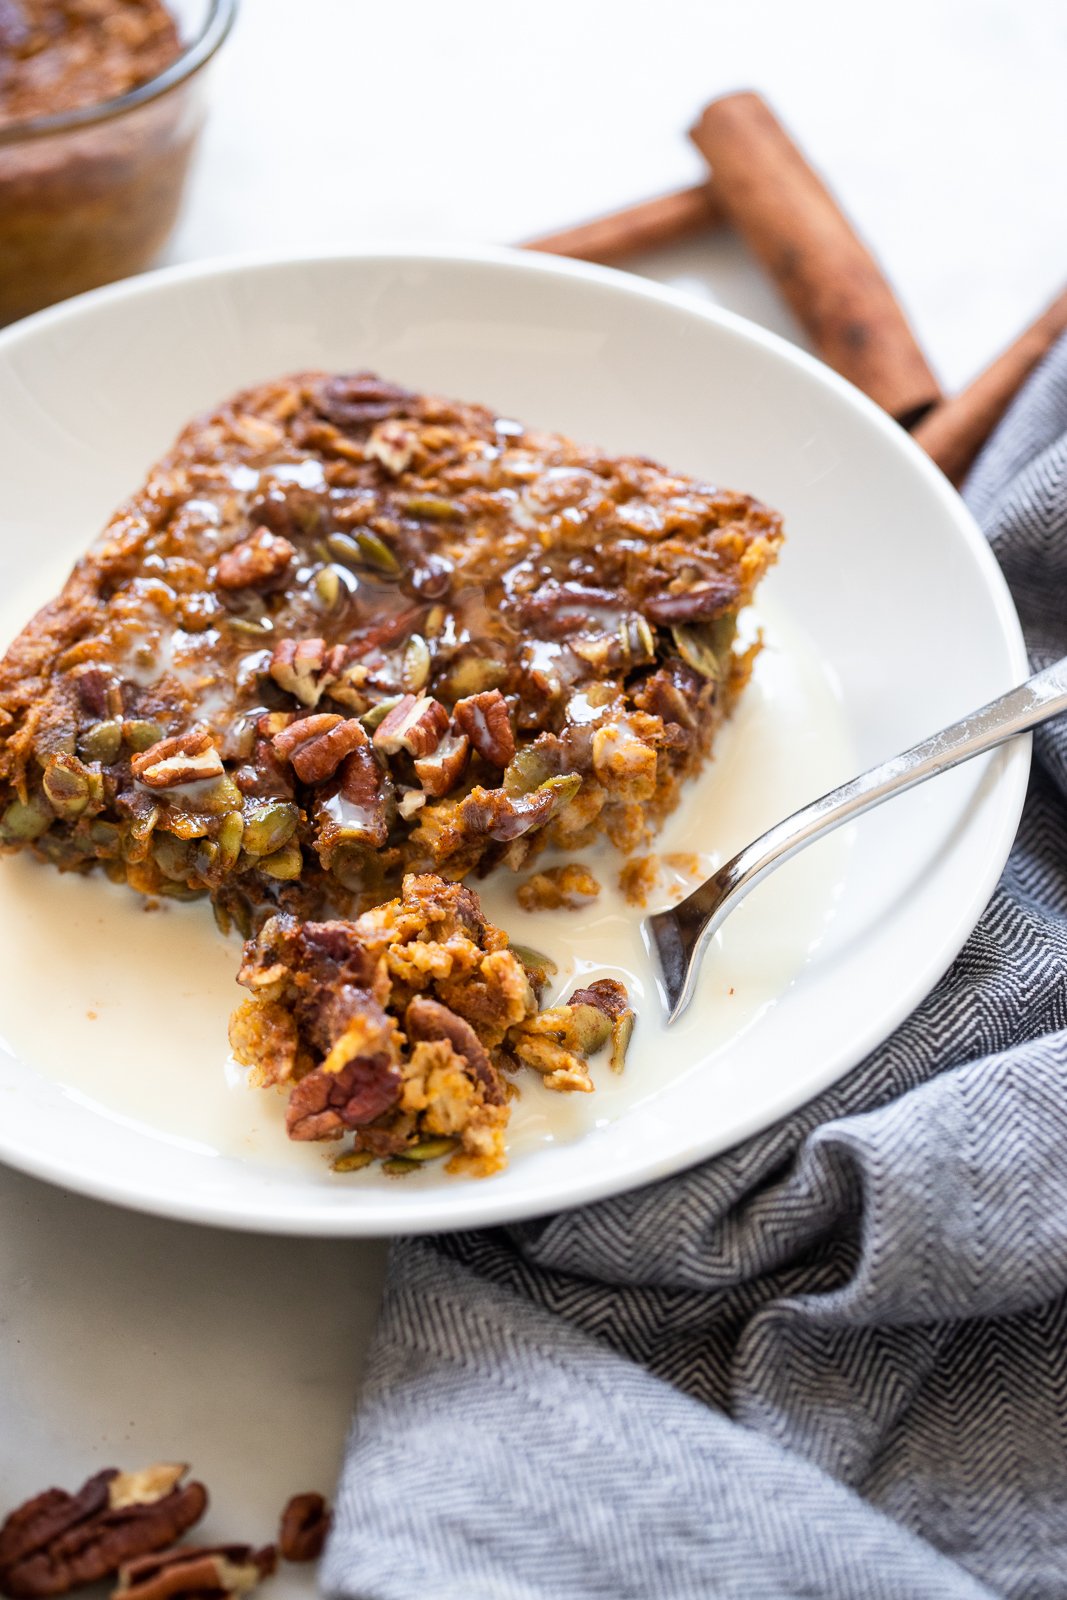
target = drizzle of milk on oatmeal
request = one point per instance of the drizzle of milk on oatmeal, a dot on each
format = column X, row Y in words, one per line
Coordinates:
column 127, row 1007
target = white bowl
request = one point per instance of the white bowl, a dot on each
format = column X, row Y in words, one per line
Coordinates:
column 886, row 618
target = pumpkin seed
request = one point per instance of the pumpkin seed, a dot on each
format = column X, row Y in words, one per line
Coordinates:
column 370, row 719
column 102, row 741
column 428, row 1150
column 174, row 857
column 416, row 667
column 328, row 586
column 352, row 1161
column 589, row 1028
column 526, row 771
column 397, row 1166
column 141, row 733
column 268, row 826
column 230, row 836
column 621, row 1033
column 534, row 961
column 286, row 863
column 340, row 546
column 67, row 784
column 25, row 821
column 694, row 647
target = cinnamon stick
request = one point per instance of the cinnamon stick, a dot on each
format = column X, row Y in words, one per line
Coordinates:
column 649, row 225
column 794, row 226
column 954, row 432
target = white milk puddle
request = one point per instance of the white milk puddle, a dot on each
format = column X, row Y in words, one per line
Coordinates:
column 127, row 1008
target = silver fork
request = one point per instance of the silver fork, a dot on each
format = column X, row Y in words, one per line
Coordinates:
column 677, row 939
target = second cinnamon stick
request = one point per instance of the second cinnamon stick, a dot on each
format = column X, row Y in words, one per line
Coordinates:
column 794, row 226
column 649, row 225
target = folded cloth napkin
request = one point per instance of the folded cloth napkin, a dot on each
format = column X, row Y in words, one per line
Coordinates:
column 831, row 1362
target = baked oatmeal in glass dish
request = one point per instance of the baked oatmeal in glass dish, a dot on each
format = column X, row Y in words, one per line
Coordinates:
column 347, row 635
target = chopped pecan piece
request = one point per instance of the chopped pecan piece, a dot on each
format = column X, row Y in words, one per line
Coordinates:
column 58, row 1541
column 393, row 445
column 484, row 719
column 429, row 1019
column 316, row 746
column 196, row 1572
column 417, row 725
column 304, row 1526
column 701, row 603
column 442, row 769
column 258, row 562
column 504, row 816
column 185, row 758
column 305, row 668
column 324, row 1104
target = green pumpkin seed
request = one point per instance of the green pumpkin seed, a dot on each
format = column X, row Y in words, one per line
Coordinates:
column 180, row 891
column 637, row 640
column 540, row 965
column 377, row 554
column 222, row 918
column 694, row 646
column 343, row 549
column 621, row 1034
column 68, row 787
column 102, row 741
column 141, row 733
column 286, row 863
column 428, row 1150
column 526, row 771
column 174, row 857
column 352, row 1161
column 416, row 668
column 223, row 795
column 397, row 1166
column 268, row 826
column 24, row 822
column 259, row 626
column 471, row 675
column 328, row 587
column 378, row 713
column 106, row 836
column 136, row 843
column 230, row 836
column 433, row 507
column 589, row 1029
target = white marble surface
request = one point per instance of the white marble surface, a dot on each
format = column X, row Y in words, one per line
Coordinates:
column 941, row 123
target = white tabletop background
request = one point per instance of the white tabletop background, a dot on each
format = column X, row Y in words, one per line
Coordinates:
column 942, row 125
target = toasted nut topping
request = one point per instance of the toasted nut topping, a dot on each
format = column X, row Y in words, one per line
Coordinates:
column 185, row 758
column 416, row 725
column 306, row 668
column 316, row 746
column 58, row 1541
column 306, row 1519
column 257, row 562
column 484, row 719
column 221, row 1570
column 393, row 444
column 442, row 769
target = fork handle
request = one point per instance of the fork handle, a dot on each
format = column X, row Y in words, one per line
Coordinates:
column 701, row 913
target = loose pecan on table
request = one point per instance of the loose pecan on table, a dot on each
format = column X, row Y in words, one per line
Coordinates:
column 258, row 562
column 185, row 758
column 206, row 1572
column 304, row 1526
column 59, row 1541
column 315, row 746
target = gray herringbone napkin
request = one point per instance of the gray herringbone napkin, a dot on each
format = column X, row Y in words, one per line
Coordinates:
column 832, row 1362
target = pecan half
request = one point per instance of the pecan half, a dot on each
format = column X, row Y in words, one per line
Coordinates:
column 316, row 746
column 258, row 562
column 58, row 1541
column 429, row 1019
column 484, row 719
column 185, row 758
column 305, row 668
column 442, row 769
column 208, row 1572
column 304, row 1526
column 701, row 603
column 359, row 399
column 414, row 724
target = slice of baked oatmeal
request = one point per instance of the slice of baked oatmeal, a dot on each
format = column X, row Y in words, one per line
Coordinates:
column 346, row 631
column 400, row 1028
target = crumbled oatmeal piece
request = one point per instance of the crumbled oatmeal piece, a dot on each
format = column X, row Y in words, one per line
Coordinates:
column 400, row 1026
column 638, row 878
column 566, row 888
